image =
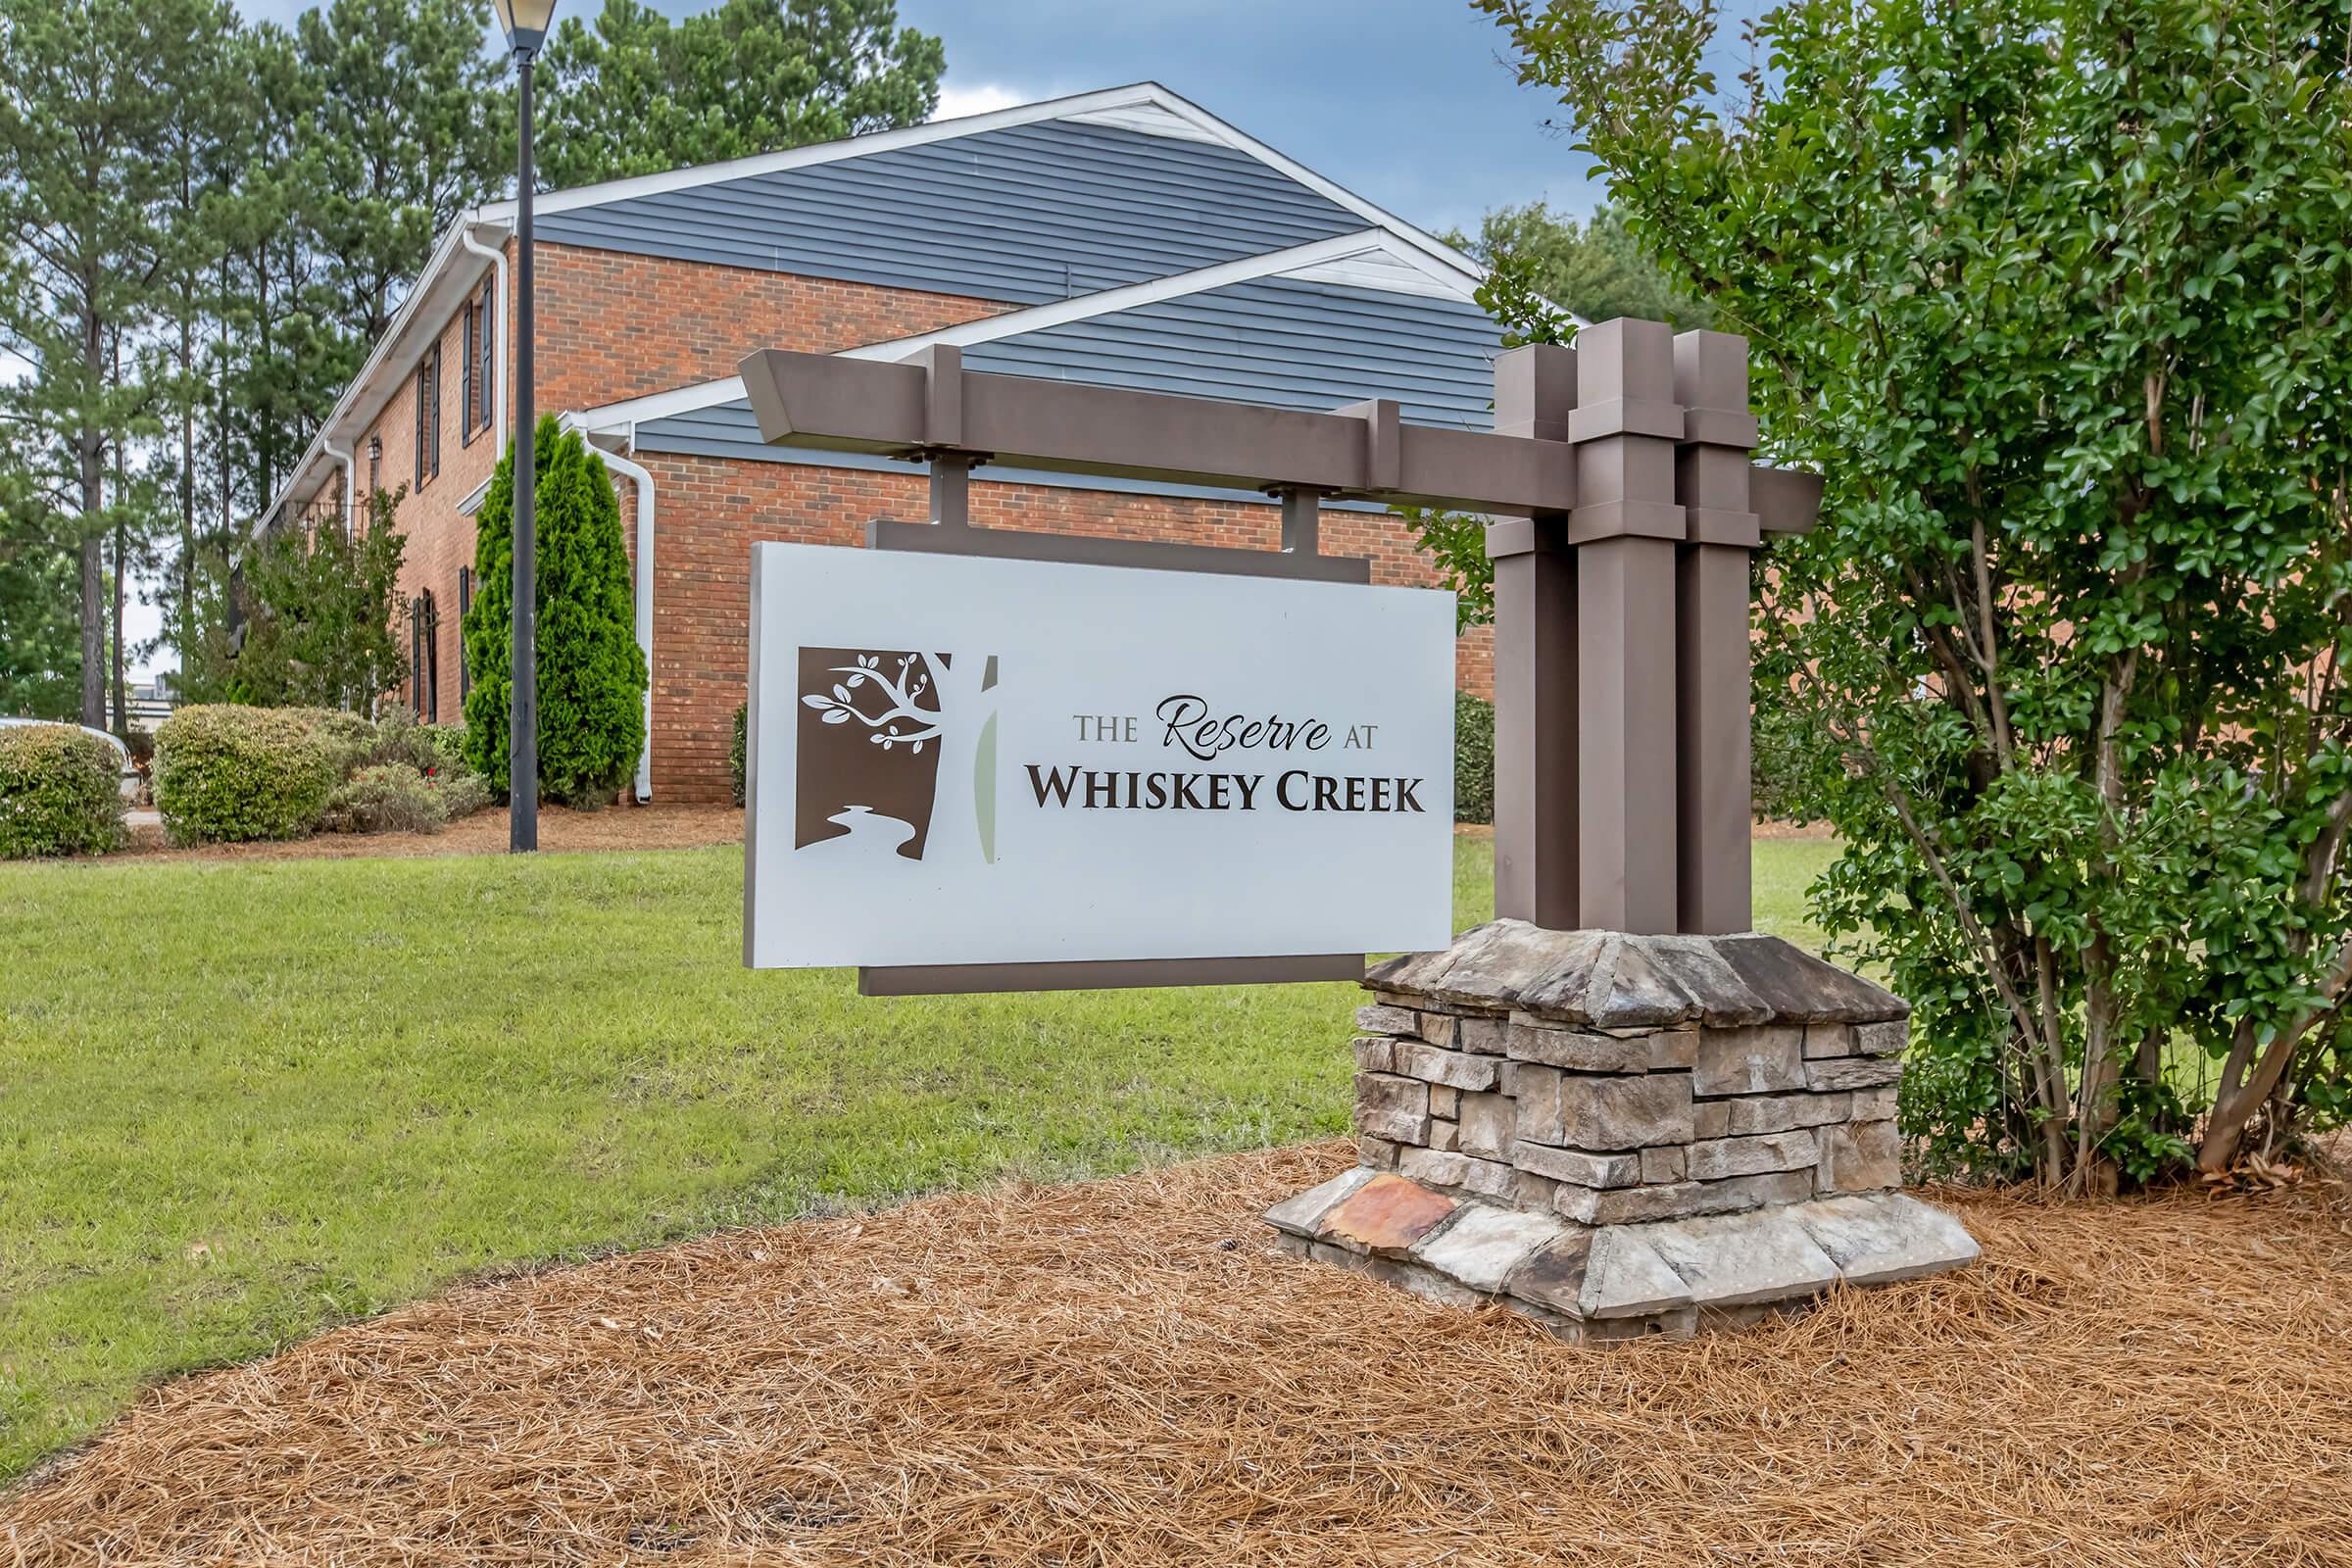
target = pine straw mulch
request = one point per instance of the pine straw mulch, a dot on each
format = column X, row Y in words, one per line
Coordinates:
column 619, row 827
column 1125, row 1373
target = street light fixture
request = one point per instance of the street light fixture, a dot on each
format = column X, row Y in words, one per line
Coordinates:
column 525, row 22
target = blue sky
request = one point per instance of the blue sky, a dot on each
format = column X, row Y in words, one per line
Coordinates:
column 1405, row 102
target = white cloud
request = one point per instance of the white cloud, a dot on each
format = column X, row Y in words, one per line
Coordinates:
column 956, row 102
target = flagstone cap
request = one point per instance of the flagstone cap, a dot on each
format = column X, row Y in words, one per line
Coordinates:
column 1612, row 980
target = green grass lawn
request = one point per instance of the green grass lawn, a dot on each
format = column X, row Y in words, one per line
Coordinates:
column 239, row 1102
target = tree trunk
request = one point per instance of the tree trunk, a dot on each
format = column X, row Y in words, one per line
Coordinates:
column 953, row 838
column 93, row 629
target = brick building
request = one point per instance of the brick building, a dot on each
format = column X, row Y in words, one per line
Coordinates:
column 1119, row 238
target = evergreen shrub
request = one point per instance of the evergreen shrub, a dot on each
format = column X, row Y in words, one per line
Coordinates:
column 591, row 672
column 230, row 774
column 60, row 792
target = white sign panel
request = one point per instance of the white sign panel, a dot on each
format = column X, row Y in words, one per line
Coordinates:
column 966, row 761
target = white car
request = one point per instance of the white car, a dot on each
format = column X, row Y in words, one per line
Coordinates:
column 128, row 771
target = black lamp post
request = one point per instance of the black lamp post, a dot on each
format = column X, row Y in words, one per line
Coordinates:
column 525, row 22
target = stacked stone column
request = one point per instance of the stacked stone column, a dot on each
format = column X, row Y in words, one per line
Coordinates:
column 1709, row 1117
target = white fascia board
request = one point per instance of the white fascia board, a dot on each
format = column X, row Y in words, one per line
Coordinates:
column 1314, row 260
column 1240, row 141
column 394, row 356
column 827, row 152
column 630, row 413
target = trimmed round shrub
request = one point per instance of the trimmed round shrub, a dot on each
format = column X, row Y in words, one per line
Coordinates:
column 60, row 792
column 228, row 774
column 1473, row 759
column 388, row 798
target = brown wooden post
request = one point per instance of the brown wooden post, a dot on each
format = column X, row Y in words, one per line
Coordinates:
column 1714, row 801
column 1626, row 530
column 1534, row 663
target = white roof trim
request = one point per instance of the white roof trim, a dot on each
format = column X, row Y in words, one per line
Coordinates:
column 827, row 152
column 340, row 426
column 1314, row 260
column 1344, row 258
column 1429, row 244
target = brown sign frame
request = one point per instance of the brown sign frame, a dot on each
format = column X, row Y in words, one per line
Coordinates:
column 1627, row 515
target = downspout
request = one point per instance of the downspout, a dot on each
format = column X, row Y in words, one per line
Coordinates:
column 644, row 481
column 497, row 392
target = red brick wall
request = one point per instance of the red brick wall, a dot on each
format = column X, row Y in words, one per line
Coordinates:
column 610, row 326
column 440, row 538
column 709, row 512
column 613, row 326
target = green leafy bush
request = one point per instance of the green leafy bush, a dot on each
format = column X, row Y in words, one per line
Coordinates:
column 592, row 674
column 386, row 798
column 736, row 752
column 350, row 739
column 449, row 747
column 2056, row 298
column 1473, row 759
column 60, row 792
column 462, row 791
column 228, row 774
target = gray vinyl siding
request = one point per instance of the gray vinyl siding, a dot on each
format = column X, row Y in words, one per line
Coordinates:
column 1279, row 341
column 1028, row 215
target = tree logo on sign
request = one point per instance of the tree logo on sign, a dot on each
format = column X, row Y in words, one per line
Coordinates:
column 896, row 755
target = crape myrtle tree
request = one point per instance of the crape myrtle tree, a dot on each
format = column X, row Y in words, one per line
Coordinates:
column 320, row 602
column 2058, row 296
column 592, row 674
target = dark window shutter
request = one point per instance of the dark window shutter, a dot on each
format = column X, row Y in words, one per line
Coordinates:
column 436, row 410
column 431, row 613
column 466, row 383
column 421, row 394
column 485, row 374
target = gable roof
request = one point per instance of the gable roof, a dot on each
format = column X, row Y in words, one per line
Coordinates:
column 1073, row 199
column 1143, row 109
column 1026, row 213
column 1316, row 327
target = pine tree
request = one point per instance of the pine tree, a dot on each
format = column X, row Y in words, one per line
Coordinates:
column 88, row 91
column 412, row 127
column 636, row 93
column 592, row 674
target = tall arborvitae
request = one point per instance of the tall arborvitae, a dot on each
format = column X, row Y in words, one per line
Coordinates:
column 591, row 672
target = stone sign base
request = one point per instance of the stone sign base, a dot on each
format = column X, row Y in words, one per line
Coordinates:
column 1621, row 1135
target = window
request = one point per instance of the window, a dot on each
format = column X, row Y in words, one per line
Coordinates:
column 428, row 417
column 478, row 392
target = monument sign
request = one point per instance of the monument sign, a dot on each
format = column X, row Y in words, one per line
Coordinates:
column 956, row 761
column 1615, row 1109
